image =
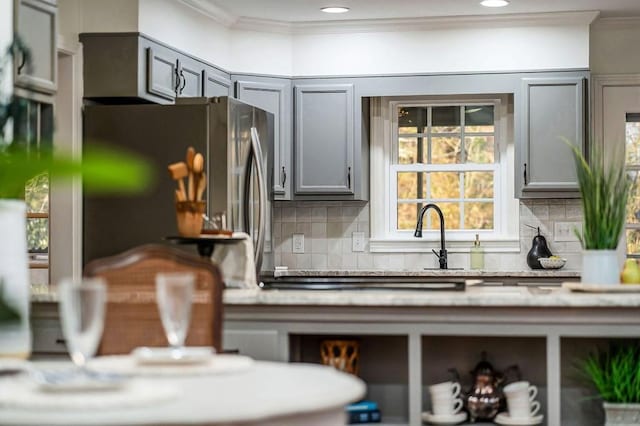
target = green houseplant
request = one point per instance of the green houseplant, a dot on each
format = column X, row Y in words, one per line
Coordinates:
column 604, row 188
column 101, row 170
column 615, row 373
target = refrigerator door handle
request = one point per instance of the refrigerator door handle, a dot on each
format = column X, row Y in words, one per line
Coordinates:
column 262, row 197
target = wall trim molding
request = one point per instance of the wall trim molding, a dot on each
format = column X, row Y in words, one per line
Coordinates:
column 228, row 19
column 617, row 22
column 211, row 10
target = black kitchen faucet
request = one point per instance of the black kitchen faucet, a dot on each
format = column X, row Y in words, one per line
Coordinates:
column 442, row 257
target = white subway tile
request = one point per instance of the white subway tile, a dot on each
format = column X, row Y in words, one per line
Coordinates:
column 319, row 245
column 303, row 214
column 319, row 261
column 319, row 214
column 349, row 261
column 303, row 260
column 334, row 229
column 365, row 261
column 288, row 214
column 334, row 261
column 334, row 214
column 319, row 230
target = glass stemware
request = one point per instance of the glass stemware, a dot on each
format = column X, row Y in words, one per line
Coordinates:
column 82, row 310
column 174, row 294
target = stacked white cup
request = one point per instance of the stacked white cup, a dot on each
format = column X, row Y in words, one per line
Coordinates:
column 521, row 400
column 445, row 399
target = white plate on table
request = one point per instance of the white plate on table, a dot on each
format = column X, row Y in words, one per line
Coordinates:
column 444, row 419
column 67, row 380
column 171, row 356
column 506, row 420
column 129, row 366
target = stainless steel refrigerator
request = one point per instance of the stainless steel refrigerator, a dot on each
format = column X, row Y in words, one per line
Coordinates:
column 231, row 135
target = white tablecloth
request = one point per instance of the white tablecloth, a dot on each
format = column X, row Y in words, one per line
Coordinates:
column 267, row 394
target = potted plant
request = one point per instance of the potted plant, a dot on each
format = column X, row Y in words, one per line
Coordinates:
column 604, row 187
column 616, row 375
column 100, row 170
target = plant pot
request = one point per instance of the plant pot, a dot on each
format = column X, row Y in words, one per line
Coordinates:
column 621, row 414
column 600, row 267
column 15, row 336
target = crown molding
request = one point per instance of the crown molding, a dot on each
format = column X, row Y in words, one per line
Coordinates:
column 211, row 10
column 618, row 22
column 415, row 24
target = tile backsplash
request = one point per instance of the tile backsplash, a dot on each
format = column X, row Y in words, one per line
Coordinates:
column 328, row 228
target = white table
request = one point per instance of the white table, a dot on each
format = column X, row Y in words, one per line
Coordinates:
column 267, row 394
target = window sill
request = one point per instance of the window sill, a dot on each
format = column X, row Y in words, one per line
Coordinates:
column 424, row 245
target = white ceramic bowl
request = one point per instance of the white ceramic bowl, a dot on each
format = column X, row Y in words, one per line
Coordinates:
column 549, row 263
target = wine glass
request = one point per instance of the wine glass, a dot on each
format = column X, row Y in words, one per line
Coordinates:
column 82, row 308
column 174, row 293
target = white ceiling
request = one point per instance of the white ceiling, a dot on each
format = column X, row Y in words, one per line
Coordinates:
column 309, row 10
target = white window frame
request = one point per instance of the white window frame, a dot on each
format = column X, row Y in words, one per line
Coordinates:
column 384, row 235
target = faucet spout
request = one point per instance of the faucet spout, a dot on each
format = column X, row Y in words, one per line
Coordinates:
column 442, row 256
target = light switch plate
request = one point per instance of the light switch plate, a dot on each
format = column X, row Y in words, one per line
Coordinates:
column 563, row 231
column 298, row 243
column 357, row 241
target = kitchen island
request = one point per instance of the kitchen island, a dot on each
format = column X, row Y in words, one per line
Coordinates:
column 409, row 339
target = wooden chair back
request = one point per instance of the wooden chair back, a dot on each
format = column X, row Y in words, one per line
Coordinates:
column 132, row 317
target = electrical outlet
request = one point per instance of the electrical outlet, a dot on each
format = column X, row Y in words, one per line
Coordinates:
column 563, row 231
column 357, row 241
column 298, row 243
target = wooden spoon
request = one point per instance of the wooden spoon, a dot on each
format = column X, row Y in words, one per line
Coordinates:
column 191, row 153
column 178, row 171
column 202, row 184
column 198, row 168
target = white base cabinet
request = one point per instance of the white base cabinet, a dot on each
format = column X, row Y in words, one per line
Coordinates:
column 405, row 349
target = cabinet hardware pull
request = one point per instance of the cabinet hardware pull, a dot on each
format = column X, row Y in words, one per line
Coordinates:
column 284, row 176
column 525, row 173
column 349, row 177
column 177, row 87
column 184, row 81
column 23, row 62
column 61, row 342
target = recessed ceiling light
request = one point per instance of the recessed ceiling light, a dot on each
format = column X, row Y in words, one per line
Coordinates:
column 494, row 3
column 334, row 9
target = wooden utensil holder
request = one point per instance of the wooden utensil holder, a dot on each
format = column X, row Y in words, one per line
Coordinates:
column 341, row 354
column 189, row 217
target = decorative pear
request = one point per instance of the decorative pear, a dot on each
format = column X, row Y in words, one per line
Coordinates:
column 539, row 249
column 631, row 273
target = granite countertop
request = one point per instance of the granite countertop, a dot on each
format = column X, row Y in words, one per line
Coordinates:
column 513, row 296
column 540, row 273
column 498, row 296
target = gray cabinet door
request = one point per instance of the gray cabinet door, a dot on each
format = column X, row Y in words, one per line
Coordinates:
column 275, row 98
column 162, row 72
column 216, row 85
column 324, row 139
column 35, row 67
column 191, row 74
column 552, row 112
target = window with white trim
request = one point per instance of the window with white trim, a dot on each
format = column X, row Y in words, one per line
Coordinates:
column 447, row 151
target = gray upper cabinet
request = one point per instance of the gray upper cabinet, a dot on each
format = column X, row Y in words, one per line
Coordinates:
column 217, row 85
column 132, row 66
column 171, row 75
column 35, row 66
column 274, row 96
column 324, row 139
column 162, row 72
column 552, row 111
column 191, row 75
